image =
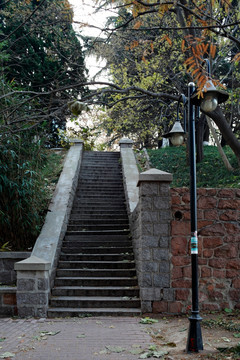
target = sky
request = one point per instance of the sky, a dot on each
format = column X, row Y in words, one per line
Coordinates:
column 84, row 12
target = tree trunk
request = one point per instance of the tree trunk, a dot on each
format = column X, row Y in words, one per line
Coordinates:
column 220, row 149
column 199, row 137
column 225, row 128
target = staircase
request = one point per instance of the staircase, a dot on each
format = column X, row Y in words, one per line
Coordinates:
column 96, row 270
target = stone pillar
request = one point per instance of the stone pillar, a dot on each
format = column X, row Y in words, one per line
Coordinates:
column 152, row 238
column 33, row 287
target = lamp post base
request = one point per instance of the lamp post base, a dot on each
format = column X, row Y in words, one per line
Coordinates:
column 194, row 343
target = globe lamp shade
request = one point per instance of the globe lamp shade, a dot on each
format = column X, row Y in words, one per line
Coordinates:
column 211, row 97
column 209, row 102
column 177, row 139
column 176, row 134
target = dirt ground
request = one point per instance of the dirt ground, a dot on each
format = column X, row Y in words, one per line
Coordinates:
column 220, row 334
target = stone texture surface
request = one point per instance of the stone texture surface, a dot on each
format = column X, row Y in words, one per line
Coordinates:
column 150, row 225
column 219, row 250
column 8, row 275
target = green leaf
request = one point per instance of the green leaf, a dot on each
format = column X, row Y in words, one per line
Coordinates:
column 229, row 311
column 148, row 320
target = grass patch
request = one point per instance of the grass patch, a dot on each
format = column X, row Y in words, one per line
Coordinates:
column 211, row 172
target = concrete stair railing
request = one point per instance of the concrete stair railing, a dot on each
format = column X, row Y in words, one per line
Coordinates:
column 35, row 274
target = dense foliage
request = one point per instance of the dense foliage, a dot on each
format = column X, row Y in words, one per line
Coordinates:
column 42, row 65
column 26, row 173
column 41, row 70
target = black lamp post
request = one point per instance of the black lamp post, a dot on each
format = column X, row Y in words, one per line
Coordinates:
column 211, row 98
column 194, row 342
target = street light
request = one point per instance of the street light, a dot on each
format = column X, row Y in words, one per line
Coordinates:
column 211, row 98
column 176, row 133
column 194, row 342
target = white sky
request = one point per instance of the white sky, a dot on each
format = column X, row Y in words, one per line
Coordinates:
column 84, row 12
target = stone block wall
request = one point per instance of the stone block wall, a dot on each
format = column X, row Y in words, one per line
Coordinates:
column 219, row 248
column 150, row 225
column 8, row 275
column 8, row 279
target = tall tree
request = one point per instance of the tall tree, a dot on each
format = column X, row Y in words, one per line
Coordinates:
column 207, row 30
column 44, row 58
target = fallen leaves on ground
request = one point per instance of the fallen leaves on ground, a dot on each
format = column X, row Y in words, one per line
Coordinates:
column 154, row 352
column 7, row 355
column 44, row 334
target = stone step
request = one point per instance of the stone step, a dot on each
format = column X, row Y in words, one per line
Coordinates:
column 113, row 209
column 91, row 221
column 95, row 281
column 94, row 302
column 94, row 291
column 97, row 227
column 95, row 154
column 98, row 250
column 101, row 188
column 99, row 195
column 78, row 247
column 102, row 168
column 98, row 212
column 99, row 237
column 94, row 175
column 101, row 183
column 124, row 264
column 96, row 272
column 98, row 165
column 100, row 198
column 98, row 232
column 73, row 312
column 100, row 179
column 105, row 203
column 68, row 256
column 98, row 217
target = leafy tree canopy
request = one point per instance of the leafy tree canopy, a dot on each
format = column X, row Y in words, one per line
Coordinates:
column 154, row 48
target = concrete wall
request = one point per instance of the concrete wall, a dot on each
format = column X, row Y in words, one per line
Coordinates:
column 35, row 275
